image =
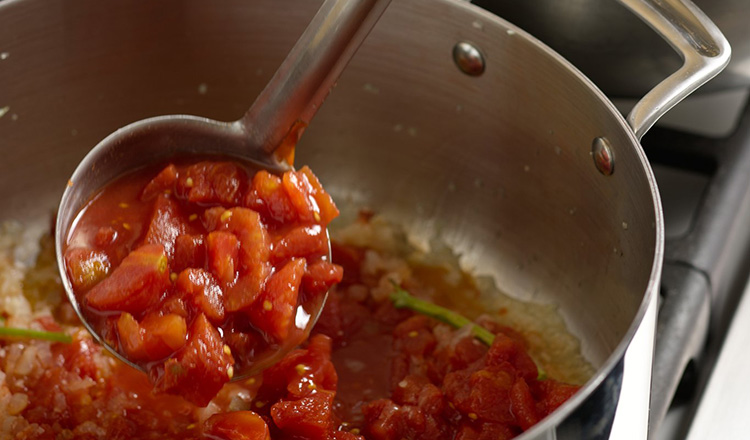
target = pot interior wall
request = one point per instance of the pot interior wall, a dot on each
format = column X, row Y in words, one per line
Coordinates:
column 498, row 166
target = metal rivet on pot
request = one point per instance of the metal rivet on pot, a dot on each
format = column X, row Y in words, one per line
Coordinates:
column 468, row 58
column 604, row 157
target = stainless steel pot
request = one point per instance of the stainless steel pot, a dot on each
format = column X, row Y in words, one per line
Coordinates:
column 618, row 52
column 498, row 165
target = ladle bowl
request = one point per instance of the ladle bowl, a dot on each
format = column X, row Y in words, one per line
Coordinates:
column 265, row 136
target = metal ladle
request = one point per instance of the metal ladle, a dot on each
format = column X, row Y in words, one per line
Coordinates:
column 265, row 135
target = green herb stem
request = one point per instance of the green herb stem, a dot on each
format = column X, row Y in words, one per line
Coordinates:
column 34, row 334
column 404, row 300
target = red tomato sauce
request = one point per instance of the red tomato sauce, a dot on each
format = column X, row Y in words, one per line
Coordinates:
column 196, row 270
column 368, row 371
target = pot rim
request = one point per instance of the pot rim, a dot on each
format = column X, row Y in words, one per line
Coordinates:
column 565, row 410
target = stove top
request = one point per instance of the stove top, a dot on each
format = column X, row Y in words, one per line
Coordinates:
column 705, row 187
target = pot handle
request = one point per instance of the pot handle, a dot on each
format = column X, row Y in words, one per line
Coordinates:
column 704, row 50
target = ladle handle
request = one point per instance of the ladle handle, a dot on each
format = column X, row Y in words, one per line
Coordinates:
column 310, row 70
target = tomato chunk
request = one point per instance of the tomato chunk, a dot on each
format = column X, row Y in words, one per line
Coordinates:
column 212, row 182
column 300, row 193
column 223, row 249
column 268, row 197
column 237, row 425
column 320, row 276
column 135, row 284
column 189, row 251
column 86, row 267
column 155, row 338
column 200, row 288
column 161, row 184
column 309, row 417
column 253, row 257
column 328, row 209
column 304, row 241
column 272, row 313
column 201, row 368
column 131, row 337
column 166, row 224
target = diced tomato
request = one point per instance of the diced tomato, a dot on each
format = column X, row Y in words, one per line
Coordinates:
column 303, row 241
column 309, row 417
column 300, row 193
column 131, row 337
column 201, row 289
column 86, row 267
column 505, row 349
column 212, row 218
column 166, row 224
column 201, row 368
column 268, row 197
column 212, row 182
column 163, row 334
column 155, row 338
column 523, row 405
column 237, row 425
column 414, row 337
column 328, row 209
column 387, row 421
column 291, row 377
column 320, row 276
column 554, row 394
column 274, row 310
column 223, row 249
column 254, row 267
column 135, row 284
column 486, row 431
column 484, row 393
column 189, row 251
column 163, row 183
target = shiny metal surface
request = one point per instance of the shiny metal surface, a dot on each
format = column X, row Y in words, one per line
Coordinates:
column 618, row 52
column 292, row 97
column 699, row 42
column 498, row 166
column 468, row 58
column 604, row 159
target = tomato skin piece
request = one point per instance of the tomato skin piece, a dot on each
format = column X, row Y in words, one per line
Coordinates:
column 201, row 368
column 200, row 288
column 522, row 405
column 328, row 209
column 161, row 184
column 86, row 267
column 136, row 284
column 302, row 241
column 253, row 258
column 274, row 310
column 320, row 277
column 167, row 223
column 223, row 250
column 268, row 197
column 237, row 425
column 300, row 193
